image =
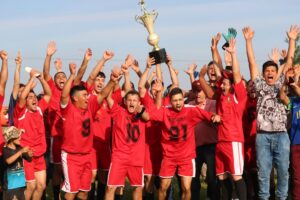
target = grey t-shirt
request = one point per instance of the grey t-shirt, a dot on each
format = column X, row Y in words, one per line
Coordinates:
column 271, row 114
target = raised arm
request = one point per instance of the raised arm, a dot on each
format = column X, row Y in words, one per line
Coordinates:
column 64, row 99
column 282, row 95
column 248, row 35
column 114, row 78
column 26, row 90
column 235, row 65
column 209, row 92
column 143, row 79
column 174, row 78
column 292, row 36
column 295, row 85
column 135, row 66
column 4, row 72
column 107, row 55
column 58, row 65
column 46, row 88
column 215, row 52
column 190, row 72
column 87, row 57
column 127, row 83
column 16, row 85
column 51, row 49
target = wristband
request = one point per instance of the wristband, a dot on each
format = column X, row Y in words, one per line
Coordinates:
column 139, row 115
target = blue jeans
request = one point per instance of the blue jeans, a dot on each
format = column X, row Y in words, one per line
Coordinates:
column 273, row 150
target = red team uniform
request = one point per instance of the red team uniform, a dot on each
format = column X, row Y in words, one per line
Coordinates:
column 34, row 136
column 178, row 139
column 77, row 146
column 56, row 123
column 230, row 150
column 128, row 148
column 101, row 129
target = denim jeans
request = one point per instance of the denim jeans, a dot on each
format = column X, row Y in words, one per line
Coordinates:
column 273, row 150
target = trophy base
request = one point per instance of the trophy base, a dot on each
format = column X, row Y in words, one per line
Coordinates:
column 160, row 56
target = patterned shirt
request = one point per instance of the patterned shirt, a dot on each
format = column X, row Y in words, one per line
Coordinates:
column 271, row 113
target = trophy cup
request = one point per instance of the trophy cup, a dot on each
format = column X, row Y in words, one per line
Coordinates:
column 148, row 19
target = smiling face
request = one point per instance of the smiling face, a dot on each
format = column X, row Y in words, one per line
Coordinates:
column 99, row 84
column 226, row 86
column 211, row 72
column 132, row 101
column 200, row 97
column 270, row 74
column 60, row 80
column 80, row 99
column 31, row 102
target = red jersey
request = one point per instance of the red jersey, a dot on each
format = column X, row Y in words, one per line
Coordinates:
column 33, row 125
column 54, row 113
column 1, row 135
column 101, row 124
column 117, row 96
column 231, row 109
column 249, row 121
column 128, row 137
column 178, row 139
column 77, row 136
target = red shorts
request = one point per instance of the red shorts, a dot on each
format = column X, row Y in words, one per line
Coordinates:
column 185, row 167
column 77, row 169
column 94, row 160
column 56, row 143
column 118, row 173
column 37, row 164
column 103, row 154
column 153, row 158
column 230, row 158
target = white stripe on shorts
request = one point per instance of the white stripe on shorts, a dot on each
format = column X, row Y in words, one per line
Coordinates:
column 66, row 185
column 238, row 158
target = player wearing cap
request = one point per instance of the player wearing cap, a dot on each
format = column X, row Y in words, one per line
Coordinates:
column 28, row 115
column 14, row 181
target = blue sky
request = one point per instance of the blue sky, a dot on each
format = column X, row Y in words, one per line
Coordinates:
column 185, row 29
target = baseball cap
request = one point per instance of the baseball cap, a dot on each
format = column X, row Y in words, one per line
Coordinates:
column 12, row 133
column 196, row 86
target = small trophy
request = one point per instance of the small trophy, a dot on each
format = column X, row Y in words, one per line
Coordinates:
column 148, row 19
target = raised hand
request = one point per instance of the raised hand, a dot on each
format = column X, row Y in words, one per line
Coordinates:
column 203, row 71
column 232, row 47
column 34, row 73
column 169, row 60
column 18, row 59
column 72, row 68
column 3, row 55
column 215, row 40
column 248, row 33
column 88, row 54
column 51, row 49
column 107, row 55
column 275, row 55
column 293, row 33
column 124, row 68
column 283, row 54
column 150, row 62
column 116, row 74
column 191, row 69
column 129, row 60
column 58, row 64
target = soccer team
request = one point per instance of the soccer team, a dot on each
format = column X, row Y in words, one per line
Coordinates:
column 96, row 135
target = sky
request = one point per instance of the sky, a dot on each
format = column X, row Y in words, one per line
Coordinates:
column 185, row 29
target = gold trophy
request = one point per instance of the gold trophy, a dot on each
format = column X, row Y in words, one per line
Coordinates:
column 148, row 19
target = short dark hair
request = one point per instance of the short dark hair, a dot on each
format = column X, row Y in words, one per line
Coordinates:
column 269, row 63
column 76, row 89
column 175, row 91
column 101, row 75
column 21, row 85
column 210, row 63
column 132, row 92
column 154, row 81
column 59, row 73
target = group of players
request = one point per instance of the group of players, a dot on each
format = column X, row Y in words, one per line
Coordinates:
column 104, row 133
